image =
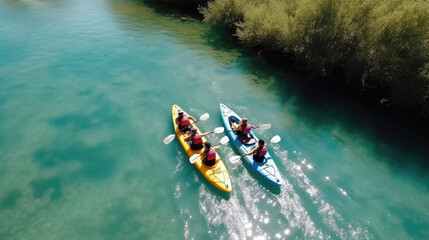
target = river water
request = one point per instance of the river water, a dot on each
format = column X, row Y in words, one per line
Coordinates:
column 85, row 101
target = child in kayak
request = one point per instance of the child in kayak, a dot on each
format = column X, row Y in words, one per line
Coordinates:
column 195, row 140
column 242, row 130
column 210, row 154
column 183, row 121
column 259, row 151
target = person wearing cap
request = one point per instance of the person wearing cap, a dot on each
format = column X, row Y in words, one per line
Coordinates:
column 182, row 121
column 195, row 139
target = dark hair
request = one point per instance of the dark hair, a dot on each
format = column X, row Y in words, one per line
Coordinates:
column 261, row 143
column 207, row 146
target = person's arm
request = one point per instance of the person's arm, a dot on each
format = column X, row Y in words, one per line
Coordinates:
column 251, row 152
column 188, row 138
column 238, row 127
column 205, row 134
column 192, row 118
column 251, row 126
column 216, row 148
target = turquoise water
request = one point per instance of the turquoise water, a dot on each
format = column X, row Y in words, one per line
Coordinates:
column 85, row 101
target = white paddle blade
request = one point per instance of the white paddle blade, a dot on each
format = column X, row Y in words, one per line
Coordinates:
column 218, row 130
column 169, row 138
column 265, row 126
column 204, row 117
column 234, row 159
column 194, row 158
column 224, row 140
column 275, row 139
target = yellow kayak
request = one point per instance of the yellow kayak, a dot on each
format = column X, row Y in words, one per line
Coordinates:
column 217, row 174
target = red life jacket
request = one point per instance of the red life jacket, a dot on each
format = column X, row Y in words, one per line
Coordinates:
column 196, row 139
column 262, row 152
column 210, row 159
column 184, row 121
column 211, row 155
column 245, row 129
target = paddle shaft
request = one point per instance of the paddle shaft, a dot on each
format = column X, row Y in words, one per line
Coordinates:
column 170, row 137
column 235, row 159
column 190, row 124
column 194, row 157
column 237, row 130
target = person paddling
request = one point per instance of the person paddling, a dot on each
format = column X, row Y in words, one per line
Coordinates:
column 182, row 121
column 243, row 129
column 258, row 152
column 210, row 154
column 195, row 140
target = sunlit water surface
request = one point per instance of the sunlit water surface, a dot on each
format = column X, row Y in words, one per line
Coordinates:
column 86, row 89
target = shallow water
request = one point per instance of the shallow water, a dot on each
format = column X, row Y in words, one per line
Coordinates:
column 85, row 101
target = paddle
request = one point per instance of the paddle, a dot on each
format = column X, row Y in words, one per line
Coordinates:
column 262, row 127
column 218, row 130
column 170, row 137
column 275, row 139
column 194, row 157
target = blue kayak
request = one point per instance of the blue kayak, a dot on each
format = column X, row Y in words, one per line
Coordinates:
column 267, row 169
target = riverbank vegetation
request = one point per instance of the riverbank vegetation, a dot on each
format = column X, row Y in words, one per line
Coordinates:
column 380, row 49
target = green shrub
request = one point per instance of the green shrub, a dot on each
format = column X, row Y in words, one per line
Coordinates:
column 377, row 44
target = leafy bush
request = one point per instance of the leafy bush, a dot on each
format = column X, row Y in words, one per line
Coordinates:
column 380, row 44
column 184, row 2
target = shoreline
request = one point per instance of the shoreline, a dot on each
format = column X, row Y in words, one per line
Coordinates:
column 328, row 90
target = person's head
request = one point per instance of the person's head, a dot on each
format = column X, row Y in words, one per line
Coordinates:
column 261, row 143
column 207, row 145
column 244, row 121
column 180, row 112
column 193, row 130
